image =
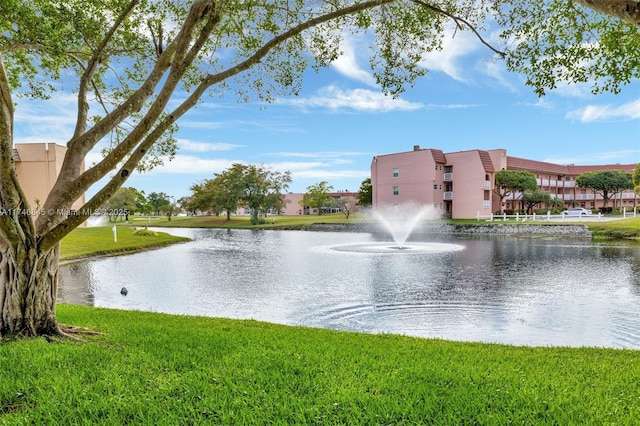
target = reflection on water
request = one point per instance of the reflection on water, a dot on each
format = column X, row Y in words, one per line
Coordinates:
column 507, row 290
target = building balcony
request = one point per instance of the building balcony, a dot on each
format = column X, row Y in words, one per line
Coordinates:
column 487, row 184
column 447, row 195
column 448, row 177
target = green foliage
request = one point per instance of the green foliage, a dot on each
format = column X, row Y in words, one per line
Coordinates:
column 145, row 232
column 532, row 199
column 158, row 201
column 556, row 41
column 124, row 202
column 150, row 368
column 316, row 196
column 257, row 188
column 636, row 178
column 510, row 181
column 365, row 193
column 607, row 183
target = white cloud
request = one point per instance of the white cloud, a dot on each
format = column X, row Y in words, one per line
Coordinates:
column 327, row 174
column 610, row 157
column 335, row 98
column 326, row 154
column 590, row 113
column 347, row 63
column 191, row 165
column 455, row 46
column 192, row 146
column 45, row 121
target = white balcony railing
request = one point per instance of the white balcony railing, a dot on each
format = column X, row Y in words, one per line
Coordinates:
column 447, row 195
column 448, row 177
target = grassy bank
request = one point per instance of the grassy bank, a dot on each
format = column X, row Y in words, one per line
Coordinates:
column 271, row 222
column 95, row 241
column 148, row 368
column 621, row 228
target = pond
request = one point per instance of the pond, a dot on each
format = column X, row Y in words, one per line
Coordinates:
column 524, row 291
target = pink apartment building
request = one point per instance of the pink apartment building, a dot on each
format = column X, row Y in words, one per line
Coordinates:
column 37, row 166
column 460, row 184
column 293, row 206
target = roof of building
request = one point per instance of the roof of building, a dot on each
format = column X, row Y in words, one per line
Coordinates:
column 438, row 156
column 577, row 170
column 515, row 163
column 486, row 161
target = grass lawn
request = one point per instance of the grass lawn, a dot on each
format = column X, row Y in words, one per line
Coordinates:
column 149, row 368
column 94, row 241
column 623, row 228
column 286, row 222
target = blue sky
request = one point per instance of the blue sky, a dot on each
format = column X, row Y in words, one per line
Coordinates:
column 340, row 120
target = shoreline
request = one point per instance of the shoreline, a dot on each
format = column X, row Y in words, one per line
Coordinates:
column 512, row 229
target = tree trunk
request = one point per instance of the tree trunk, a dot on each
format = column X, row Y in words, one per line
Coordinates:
column 28, row 291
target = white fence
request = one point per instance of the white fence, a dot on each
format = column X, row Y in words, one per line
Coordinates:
column 553, row 217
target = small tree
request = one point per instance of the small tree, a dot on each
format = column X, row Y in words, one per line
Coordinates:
column 534, row 198
column 262, row 190
column 122, row 203
column 158, row 201
column 345, row 204
column 316, row 196
column 607, row 183
column 365, row 193
column 636, row 178
column 508, row 182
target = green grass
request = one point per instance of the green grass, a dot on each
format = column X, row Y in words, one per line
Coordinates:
column 94, row 241
column 622, row 228
column 277, row 222
column 157, row 369
column 618, row 229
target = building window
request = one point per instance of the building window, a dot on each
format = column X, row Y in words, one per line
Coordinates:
column 396, row 172
column 395, row 190
column 435, row 186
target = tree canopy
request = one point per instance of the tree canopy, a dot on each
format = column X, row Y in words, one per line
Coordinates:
column 536, row 197
column 365, row 193
column 316, row 196
column 137, row 66
column 508, row 182
column 607, row 183
column 257, row 188
column 636, row 178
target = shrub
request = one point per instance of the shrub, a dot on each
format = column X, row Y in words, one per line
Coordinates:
column 144, row 232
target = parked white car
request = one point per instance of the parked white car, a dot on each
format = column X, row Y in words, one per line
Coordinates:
column 577, row 211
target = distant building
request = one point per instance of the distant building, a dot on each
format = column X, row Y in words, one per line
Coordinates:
column 334, row 204
column 461, row 184
column 38, row 166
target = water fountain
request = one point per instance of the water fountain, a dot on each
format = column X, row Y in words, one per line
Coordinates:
column 400, row 221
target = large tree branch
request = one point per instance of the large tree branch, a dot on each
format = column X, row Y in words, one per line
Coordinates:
column 213, row 79
column 625, row 10
column 61, row 194
column 8, row 192
column 92, row 66
column 186, row 52
column 460, row 23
